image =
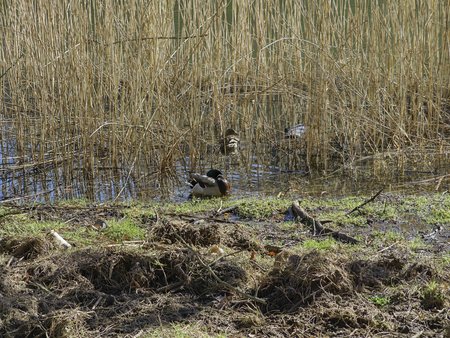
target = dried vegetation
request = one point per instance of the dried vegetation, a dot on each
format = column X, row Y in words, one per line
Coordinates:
column 138, row 86
column 216, row 276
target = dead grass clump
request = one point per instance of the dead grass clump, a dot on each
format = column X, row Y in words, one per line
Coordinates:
column 114, row 272
column 26, row 248
column 65, row 323
column 21, row 317
column 84, row 273
column 338, row 314
column 228, row 271
column 194, row 234
column 85, row 215
column 386, row 271
column 91, row 271
column 421, row 270
column 15, row 313
column 344, row 318
column 182, row 267
column 240, row 239
column 390, row 270
column 66, row 289
column 303, row 279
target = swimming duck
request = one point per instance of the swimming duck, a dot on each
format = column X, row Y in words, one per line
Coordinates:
column 213, row 184
column 296, row 131
column 229, row 142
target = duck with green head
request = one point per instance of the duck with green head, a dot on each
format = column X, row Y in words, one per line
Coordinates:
column 213, row 184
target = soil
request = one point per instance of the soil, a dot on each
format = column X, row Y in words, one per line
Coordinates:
column 237, row 278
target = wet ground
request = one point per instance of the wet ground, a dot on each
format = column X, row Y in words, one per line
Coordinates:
column 233, row 268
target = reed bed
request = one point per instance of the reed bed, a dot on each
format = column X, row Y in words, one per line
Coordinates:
column 141, row 85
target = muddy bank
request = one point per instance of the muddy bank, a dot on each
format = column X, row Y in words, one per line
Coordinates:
column 205, row 273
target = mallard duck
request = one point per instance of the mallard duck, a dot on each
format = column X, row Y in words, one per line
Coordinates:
column 213, row 184
column 230, row 142
column 296, row 131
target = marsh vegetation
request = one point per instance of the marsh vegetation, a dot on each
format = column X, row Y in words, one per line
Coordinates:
column 114, row 99
column 185, row 269
column 107, row 106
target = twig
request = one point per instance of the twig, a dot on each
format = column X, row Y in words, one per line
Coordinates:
column 10, row 261
column 224, row 211
column 365, row 202
column 311, row 295
column 440, row 182
column 14, row 63
column 387, row 248
column 123, row 244
column 97, row 302
column 27, row 196
column 220, row 208
column 315, row 225
column 174, row 286
column 42, row 287
column 134, row 242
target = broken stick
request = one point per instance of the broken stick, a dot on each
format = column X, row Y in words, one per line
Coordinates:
column 316, row 226
column 365, row 202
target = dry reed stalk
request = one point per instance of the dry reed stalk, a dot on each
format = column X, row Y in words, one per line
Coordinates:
column 364, row 77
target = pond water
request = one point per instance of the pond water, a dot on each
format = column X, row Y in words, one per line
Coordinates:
column 254, row 171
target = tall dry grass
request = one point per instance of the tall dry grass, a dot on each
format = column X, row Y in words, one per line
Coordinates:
column 137, row 85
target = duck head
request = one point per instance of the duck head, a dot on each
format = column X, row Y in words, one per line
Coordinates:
column 221, row 181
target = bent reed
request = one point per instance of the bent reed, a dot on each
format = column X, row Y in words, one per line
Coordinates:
column 140, row 85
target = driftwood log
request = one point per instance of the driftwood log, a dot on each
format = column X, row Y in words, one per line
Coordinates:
column 317, row 227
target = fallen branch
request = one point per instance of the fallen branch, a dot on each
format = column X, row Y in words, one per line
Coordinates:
column 316, row 226
column 364, row 203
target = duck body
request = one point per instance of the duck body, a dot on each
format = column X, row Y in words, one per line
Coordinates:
column 296, row 131
column 230, row 142
column 213, row 184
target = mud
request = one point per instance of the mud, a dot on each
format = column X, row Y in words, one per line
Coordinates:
column 175, row 276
